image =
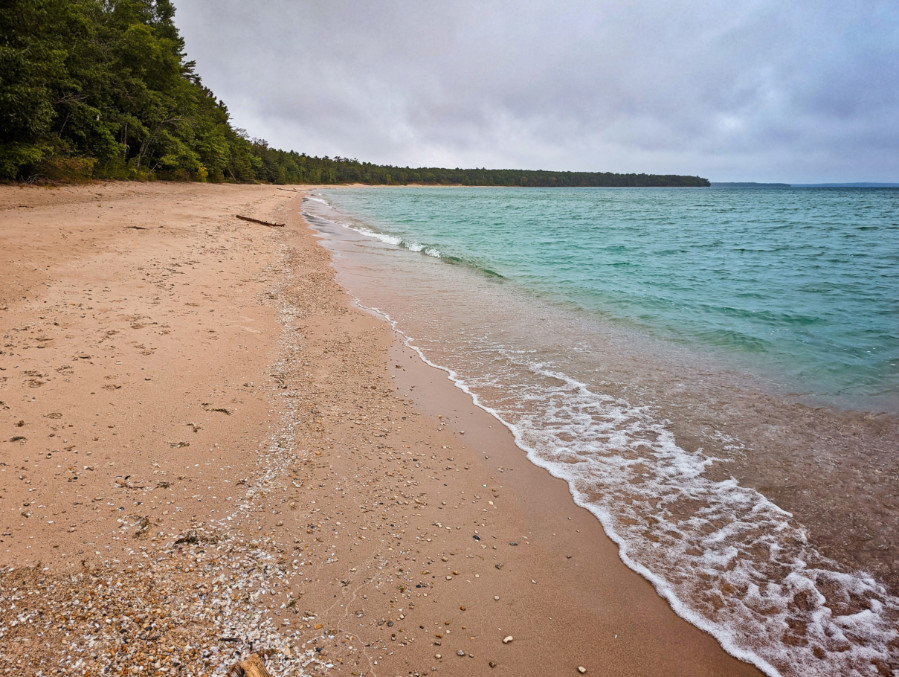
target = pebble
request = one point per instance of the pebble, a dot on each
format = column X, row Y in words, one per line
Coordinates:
column 581, row 669
column 508, row 639
column 460, row 653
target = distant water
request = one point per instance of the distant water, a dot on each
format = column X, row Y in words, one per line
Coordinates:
column 713, row 371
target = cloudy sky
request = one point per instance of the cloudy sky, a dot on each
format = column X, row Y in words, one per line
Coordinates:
column 756, row 90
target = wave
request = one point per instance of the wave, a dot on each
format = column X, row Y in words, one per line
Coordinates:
column 411, row 245
column 727, row 559
column 315, row 198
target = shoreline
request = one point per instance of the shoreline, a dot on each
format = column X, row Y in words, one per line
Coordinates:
column 334, row 517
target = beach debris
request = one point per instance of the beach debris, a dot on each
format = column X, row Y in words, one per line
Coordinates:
column 143, row 524
column 508, row 639
column 126, row 483
column 251, row 667
column 259, row 221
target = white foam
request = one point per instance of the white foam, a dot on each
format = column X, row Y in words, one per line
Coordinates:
column 383, row 237
column 386, row 238
column 313, row 198
column 725, row 558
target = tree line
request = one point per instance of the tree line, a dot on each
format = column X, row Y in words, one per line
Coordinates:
column 103, row 89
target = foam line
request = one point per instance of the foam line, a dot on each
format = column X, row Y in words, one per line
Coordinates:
column 731, row 522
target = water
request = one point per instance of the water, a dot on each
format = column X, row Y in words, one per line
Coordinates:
column 712, row 371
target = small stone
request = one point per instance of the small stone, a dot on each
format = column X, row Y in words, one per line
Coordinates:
column 496, row 598
column 581, row 669
column 460, row 653
column 492, row 664
column 437, row 656
column 508, row 639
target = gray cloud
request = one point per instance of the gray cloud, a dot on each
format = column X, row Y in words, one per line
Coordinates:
column 757, row 90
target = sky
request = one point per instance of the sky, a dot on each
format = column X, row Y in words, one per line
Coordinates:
column 796, row 91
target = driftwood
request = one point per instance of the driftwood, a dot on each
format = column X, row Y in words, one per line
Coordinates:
column 251, row 667
column 263, row 223
column 290, row 190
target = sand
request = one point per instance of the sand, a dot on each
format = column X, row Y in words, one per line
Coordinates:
column 207, row 451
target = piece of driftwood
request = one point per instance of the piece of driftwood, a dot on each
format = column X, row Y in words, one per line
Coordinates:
column 259, row 221
column 250, row 667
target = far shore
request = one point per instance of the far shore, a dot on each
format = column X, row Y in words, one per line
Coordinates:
column 207, row 451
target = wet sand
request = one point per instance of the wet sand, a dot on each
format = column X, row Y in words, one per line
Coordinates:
column 206, row 451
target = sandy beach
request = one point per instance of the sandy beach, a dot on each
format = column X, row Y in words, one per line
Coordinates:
column 206, row 451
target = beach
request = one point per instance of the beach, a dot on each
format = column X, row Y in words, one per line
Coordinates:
column 757, row 500
column 208, row 451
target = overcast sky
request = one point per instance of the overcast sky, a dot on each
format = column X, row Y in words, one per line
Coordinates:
column 756, row 90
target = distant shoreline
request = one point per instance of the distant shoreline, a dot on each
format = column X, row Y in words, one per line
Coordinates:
column 754, row 184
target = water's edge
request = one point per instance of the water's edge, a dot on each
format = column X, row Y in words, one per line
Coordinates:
column 851, row 624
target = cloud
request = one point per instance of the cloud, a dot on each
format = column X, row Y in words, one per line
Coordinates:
column 761, row 90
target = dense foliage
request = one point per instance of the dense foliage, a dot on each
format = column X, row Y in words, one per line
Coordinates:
column 103, row 89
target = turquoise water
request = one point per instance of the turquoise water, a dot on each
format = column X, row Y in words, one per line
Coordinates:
column 802, row 283
column 704, row 368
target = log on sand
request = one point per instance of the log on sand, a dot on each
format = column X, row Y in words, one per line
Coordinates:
column 264, row 223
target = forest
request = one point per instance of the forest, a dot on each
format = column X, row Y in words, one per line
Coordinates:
column 103, row 89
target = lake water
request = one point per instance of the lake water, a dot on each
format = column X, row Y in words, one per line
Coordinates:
column 713, row 371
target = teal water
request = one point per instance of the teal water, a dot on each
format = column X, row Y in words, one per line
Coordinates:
column 802, row 284
column 712, row 372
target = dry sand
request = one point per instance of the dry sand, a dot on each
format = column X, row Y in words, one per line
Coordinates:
column 205, row 451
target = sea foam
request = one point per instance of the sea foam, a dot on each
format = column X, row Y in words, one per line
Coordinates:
column 726, row 558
